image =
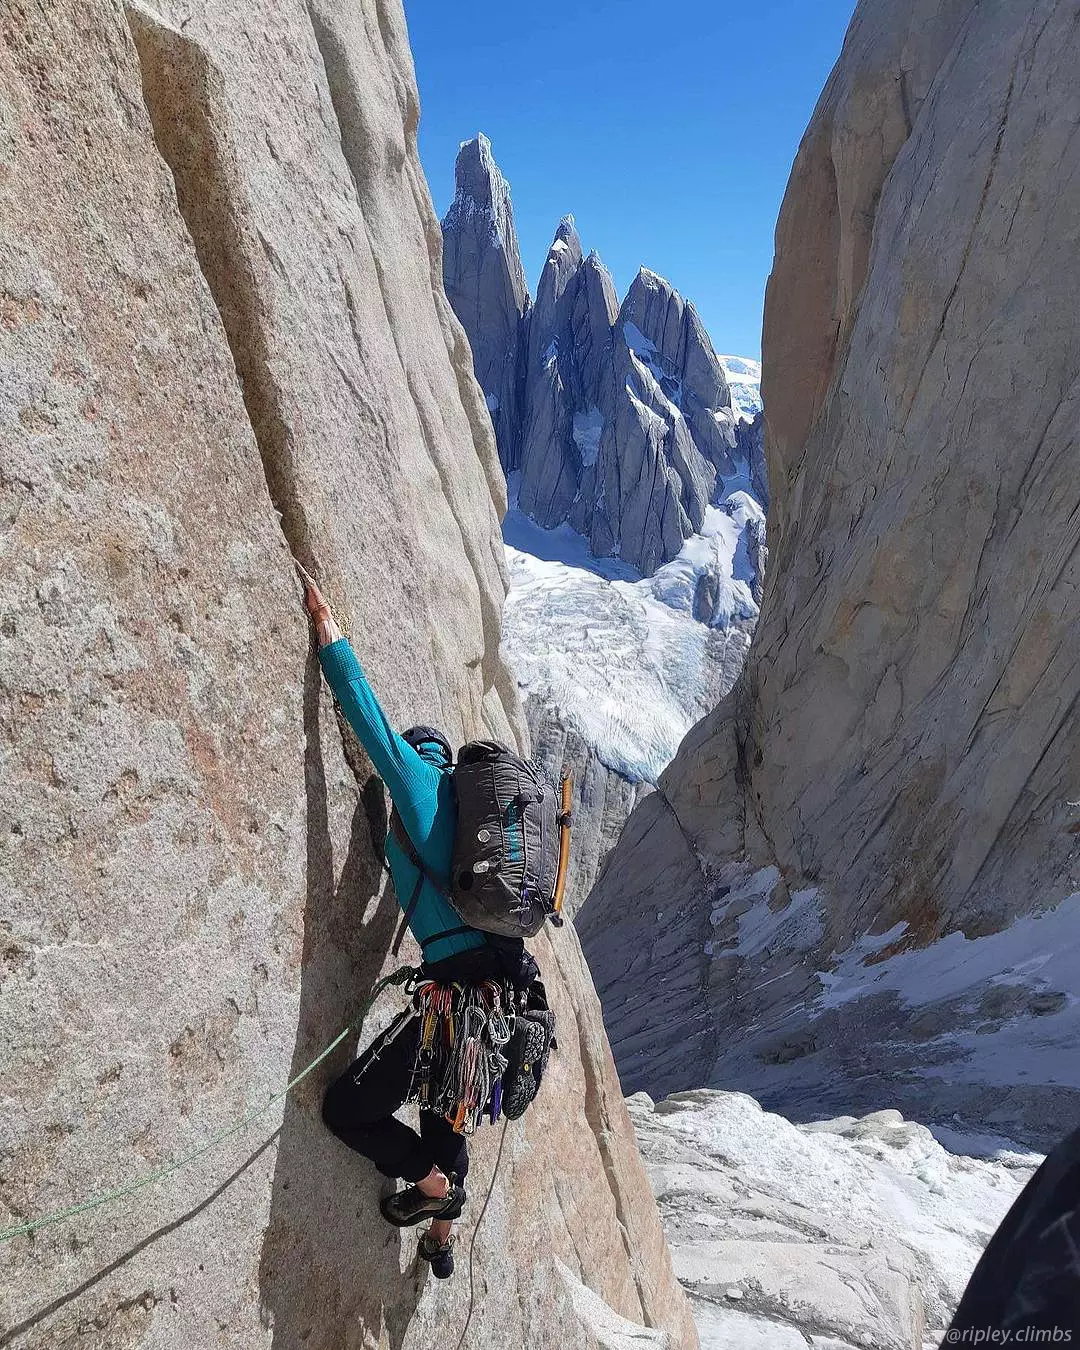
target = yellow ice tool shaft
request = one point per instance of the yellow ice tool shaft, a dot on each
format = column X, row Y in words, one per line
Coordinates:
column 564, row 841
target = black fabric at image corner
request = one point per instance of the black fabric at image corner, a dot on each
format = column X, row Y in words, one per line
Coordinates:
column 1028, row 1279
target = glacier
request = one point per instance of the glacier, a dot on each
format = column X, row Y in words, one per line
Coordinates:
column 744, row 382
column 632, row 661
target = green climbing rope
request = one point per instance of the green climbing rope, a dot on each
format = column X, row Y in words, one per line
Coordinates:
column 159, row 1174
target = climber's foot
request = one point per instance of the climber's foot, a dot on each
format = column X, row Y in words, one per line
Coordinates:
column 439, row 1255
column 412, row 1206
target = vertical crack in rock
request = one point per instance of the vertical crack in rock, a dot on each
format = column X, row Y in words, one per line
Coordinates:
column 180, row 87
column 691, row 847
column 357, row 140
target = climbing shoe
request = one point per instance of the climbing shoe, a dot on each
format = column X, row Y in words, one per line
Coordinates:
column 438, row 1255
column 412, row 1206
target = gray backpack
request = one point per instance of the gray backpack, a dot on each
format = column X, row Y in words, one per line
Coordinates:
column 507, row 846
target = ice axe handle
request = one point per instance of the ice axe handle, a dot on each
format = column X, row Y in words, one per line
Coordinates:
column 564, row 844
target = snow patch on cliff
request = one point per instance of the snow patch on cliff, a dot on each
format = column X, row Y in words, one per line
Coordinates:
column 1032, row 963
column 588, row 428
column 744, row 381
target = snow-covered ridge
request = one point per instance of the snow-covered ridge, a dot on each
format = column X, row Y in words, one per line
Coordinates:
column 976, row 1023
column 841, row 1233
column 1029, row 1031
column 1013, row 992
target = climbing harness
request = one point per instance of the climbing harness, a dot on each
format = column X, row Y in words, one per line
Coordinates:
column 398, row 977
column 461, row 1052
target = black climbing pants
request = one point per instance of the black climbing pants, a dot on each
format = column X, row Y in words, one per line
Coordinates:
column 359, row 1108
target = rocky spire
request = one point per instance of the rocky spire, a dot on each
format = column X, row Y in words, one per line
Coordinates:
column 485, row 284
column 567, row 377
column 619, row 420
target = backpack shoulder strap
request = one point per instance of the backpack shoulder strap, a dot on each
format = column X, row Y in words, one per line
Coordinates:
column 407, row 915
column 441, row 884
column 401, row 834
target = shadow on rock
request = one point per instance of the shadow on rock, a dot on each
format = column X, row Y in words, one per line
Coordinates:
column 11, row 1335
column 330, row 1270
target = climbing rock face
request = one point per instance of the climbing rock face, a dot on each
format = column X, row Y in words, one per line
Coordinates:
column 858, row 836
column 486, row 286
column 224, row 339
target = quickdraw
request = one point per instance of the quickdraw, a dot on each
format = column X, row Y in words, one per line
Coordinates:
column 461, row 1054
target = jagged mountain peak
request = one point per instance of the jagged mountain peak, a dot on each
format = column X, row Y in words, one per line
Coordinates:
column 482, row 200
column 565, row 253
column 598, row 280
column 647, row 277
column 654, row 309
column 485, row 284
column 624, row 417
column 568, row 230
column 650, row 300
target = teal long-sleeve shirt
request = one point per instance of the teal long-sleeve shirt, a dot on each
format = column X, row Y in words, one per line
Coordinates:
column 424, row 797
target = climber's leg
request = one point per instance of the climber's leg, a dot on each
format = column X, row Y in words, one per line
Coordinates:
column 449, row 1149
column 359, row 1107
column 451, row 1153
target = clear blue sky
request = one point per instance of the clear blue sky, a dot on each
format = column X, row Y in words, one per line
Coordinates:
column 668, row 129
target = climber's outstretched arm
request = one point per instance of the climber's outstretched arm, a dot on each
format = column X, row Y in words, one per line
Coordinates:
column 403, row 771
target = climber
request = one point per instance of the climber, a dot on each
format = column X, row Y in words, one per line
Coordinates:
column 359, row 1106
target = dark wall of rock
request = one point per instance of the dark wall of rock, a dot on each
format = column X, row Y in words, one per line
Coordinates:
column 224, row 340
